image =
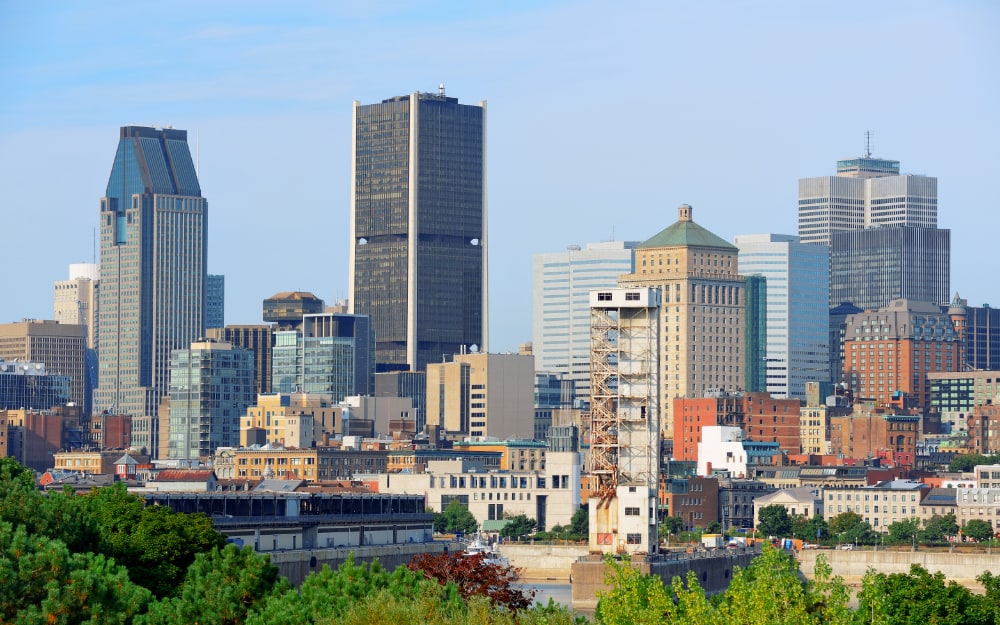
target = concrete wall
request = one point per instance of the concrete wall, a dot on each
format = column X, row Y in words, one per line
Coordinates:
column 296, row 565
column 713, row 568
column 852, row 565
column 543, row 561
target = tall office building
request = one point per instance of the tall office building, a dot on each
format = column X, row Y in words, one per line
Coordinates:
column 703, row 310
column 979, row 329
column 153, row 257
column 560, row 304
column 287, row 308
column 332, row 353
column 873, row 267
column 418, row 227
column 211, row 387
column 798, row 282
column 259, row 339
column 755, row 335
column 61, row 348
column 215, row 301
column 882, row 229
column 866, row 193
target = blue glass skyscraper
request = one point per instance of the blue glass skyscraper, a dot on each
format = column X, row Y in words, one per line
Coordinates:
column 153, row 257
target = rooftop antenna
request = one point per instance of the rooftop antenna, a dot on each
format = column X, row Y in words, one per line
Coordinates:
column 441, row 89
column 868, row 144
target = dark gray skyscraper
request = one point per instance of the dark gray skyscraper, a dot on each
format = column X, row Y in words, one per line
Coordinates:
column 153, row 259
column 875, row 266
column 418, row 227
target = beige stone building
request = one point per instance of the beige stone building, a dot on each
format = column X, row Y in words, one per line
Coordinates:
column 483, row 395
column 75, row 300
column 702, row 312
column 296, row 420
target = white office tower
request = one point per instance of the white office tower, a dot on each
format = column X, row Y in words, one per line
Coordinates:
column 866, row 193
column 560, row 319
column 625, row 419
column 798, row 289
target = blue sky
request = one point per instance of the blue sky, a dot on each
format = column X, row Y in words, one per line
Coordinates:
column 602, row 119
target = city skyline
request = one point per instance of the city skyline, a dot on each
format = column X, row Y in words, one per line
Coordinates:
column 266, row 98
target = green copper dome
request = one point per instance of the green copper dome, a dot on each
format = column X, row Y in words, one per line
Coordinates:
column 686, row 233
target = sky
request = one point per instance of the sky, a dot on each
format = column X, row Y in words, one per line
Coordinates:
column 602, row 118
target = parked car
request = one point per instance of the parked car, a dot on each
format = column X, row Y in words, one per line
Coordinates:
column 848, row 547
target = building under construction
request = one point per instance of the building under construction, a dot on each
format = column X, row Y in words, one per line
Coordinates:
column 625, row 419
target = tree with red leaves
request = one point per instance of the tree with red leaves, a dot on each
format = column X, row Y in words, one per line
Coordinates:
column 474, row 576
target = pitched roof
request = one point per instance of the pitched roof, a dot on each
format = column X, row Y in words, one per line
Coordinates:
column 685, row 233
column 184, row 475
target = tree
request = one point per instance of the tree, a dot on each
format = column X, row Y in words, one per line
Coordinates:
column 850, row 527
column 714, row 527
column 939, row 528
column 773, row 520
column 325, row 596
column 978, row 530
column 903, row 532
column 770, row 591
column 221, row 587
column 919, row 598
column 517, row 526
column 579, row 524
column 455, row 518
column 809, row 529
column 155, row 543
column 44, row 583
column 963, row 463
column 474, row 577
column 671, row 525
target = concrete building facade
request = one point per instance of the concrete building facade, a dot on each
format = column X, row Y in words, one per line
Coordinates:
column 62, row 348
column 560, row 304
column 483, row 395
column 702, row 310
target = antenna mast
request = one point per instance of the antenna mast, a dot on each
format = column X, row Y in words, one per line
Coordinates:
column 868, row 144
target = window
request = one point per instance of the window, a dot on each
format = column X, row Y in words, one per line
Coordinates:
column 632, row 297
column 604, row 297
column 631, row 511
column 633, row 539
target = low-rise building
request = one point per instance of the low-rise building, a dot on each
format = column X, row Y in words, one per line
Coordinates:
column 880, row 505
column 801, row 501
column 736, row 497
column 978, row 503
column 550, row 496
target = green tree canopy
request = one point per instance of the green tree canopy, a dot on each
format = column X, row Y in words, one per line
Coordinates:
column 810, row 529
column 939, row 528
column 978, row 529
column 919, row 598
column 42, row 582
column 851, row 528
column 222, row 586
column 671, row 525
column 455, row 518
column 517, row 526
column 714, row 527
column 155, row 543
column 967, row 462
column 773, row 520
column 579, row 524
column 904, row 531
